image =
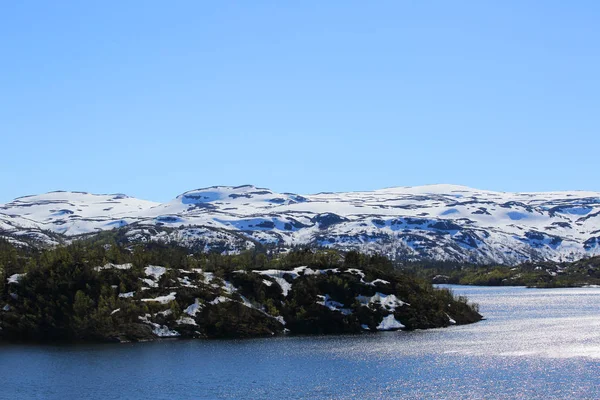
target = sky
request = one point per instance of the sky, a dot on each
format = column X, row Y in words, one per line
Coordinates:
column 154, row 98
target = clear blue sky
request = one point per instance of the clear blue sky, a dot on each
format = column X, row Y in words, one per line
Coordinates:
column 154, row 98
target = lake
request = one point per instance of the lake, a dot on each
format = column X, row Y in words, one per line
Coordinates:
column 535, row 343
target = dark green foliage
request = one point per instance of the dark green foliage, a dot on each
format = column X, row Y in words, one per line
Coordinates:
column 68, row 294
column 532, row 274
column 64, row 298
column 241, row 321
column 252, row 287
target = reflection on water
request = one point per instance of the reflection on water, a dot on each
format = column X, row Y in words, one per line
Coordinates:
column 534, row 344
column 553, row 323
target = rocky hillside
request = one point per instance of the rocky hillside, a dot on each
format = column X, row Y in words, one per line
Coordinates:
column 437, row 222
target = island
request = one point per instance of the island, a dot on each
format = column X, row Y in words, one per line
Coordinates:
column 98, row 290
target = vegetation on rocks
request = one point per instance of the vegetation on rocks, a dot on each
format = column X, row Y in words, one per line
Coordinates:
column 532, row 274
column 100, row 290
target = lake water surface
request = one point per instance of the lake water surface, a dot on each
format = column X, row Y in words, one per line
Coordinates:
column 535, row 343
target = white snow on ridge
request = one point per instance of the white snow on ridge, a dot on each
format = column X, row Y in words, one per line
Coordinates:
column 445, row 222
column 76, row 212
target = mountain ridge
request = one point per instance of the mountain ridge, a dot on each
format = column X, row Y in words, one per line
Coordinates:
column 441, row 221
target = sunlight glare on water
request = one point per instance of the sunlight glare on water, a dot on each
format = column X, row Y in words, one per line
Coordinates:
column 534, row 344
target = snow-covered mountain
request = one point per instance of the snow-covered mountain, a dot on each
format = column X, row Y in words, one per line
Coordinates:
column 441, row 222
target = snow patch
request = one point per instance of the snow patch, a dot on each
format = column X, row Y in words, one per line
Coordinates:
column 192, row 309
column 277, row 276
column 186, row 321
column 220, row 299
column 163, row 299
column 382, row 281
column 150, row 283
column 163, row 331
column 450, row 320
column 15, row 278
column 185, row 281
column 114, row 266
column 387, row 301
column 155, row 271
column 389, row 323
column 333, row 305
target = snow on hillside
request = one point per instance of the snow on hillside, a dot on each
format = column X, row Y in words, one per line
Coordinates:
column 443, row 222
column 74, row 213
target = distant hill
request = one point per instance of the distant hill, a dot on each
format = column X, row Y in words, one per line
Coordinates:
column 544, row 274
column 436, row 222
